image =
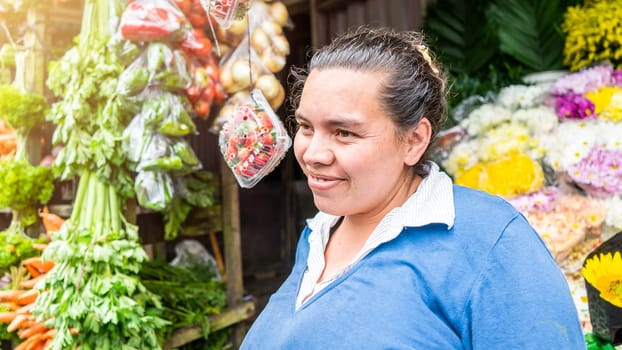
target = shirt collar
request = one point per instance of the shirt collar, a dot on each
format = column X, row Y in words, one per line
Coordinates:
column 432, row 203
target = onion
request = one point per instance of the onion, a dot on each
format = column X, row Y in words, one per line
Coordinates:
column 278, row 11
column 269, row 85
column 276, row 102
column 271, row 27
column 226, row 79
column 272, row 61
column 280, row 45
column 240, row 71
column 260, row 40
column 238, row 27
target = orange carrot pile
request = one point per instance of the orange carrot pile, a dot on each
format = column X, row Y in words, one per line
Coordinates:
column 8, row 142
column 19, row 303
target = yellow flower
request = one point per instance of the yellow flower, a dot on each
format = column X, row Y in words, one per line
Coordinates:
column 604, row 272
column 602, row 97
column 510, row 176
column 592, row 34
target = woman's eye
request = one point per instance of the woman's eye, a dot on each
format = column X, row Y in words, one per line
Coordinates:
column 303, row 127
column 344, row 133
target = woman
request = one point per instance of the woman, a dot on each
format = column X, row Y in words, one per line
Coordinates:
column 398, row 257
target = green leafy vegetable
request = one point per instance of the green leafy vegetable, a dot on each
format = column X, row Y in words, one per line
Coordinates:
column 94, row 287
column 24, row 187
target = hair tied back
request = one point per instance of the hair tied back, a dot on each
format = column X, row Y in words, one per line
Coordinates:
column 423, row 50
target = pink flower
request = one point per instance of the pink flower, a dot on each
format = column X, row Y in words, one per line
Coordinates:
column 586, row 80
column 574, row 106
column 599, row 173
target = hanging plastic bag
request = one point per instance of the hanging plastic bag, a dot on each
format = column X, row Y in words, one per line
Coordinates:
column 151, row 20
column 135, row 139
column 266, row 35
column 191, row 253
column 253, row 141
column 167, row 113
column 154, row 190
column 206, row 89
column 171, row 155
column 157, row 66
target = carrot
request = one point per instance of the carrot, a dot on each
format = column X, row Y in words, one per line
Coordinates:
column 33, row 271
column 7, row 316
column 50, row 333
column 26, row 309
column 30, row 342
column 36, row 328
column 38, row 263
column 9, row 306
column 29, row 284
column 28, row 297
column 17, row 322
column 51, row 222
column 10, row 295
column 39, row 246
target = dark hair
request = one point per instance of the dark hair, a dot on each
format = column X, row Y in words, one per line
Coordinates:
column 415, row 85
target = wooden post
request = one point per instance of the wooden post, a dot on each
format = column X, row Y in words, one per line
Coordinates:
column 232, row 246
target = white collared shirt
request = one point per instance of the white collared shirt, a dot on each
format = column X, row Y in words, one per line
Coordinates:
column 432, row 202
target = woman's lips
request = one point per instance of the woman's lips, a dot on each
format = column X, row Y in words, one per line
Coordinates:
column 322, row 183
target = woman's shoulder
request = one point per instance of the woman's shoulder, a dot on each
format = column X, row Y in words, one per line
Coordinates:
column 479, row 202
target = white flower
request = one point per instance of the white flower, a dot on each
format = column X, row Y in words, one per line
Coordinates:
column 485, row 117
column 611, row 135
column 570, row 143
column 539, row 119
column 521, row 96
column 462, row 156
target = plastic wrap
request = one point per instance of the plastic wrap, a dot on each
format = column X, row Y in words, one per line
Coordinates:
column 151, row 20
column 154, row 190
column 253, row 141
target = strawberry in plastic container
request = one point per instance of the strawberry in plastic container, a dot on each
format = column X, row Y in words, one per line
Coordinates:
column 253, row 141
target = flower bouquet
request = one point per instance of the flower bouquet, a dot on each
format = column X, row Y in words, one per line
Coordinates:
column 592, row 34
column 603, row 279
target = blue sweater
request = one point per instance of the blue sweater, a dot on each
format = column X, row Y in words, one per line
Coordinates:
column 487, row 283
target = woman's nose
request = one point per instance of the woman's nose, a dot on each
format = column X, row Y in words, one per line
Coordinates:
column 318, row 151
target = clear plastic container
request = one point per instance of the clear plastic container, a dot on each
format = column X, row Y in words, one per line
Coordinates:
column 225, row 11
column 253, row 140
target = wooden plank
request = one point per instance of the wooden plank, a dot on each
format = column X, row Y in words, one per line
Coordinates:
column 232, row 316
column 232, row 245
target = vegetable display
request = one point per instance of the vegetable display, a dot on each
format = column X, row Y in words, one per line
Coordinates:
column 173, row 79
column 93, row 297
column 126, row 98
column 23, row 187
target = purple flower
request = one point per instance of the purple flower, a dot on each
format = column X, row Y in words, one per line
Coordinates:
column 539, row 201
column 616, row 76
column 587, row 80
column 574, row 106
column 600, row 172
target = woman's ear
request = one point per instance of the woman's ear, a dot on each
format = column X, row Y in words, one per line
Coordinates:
column 417, row 141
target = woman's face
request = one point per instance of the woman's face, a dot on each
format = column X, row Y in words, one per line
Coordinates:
column 348, row 147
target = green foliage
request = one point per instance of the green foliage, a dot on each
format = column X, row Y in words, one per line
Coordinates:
column 529, row 31
column 14, row 247
column 94, row 287
column 188, row 294
column 460, row 34
column 478, row 60
column 21, row 110
column 23, row 187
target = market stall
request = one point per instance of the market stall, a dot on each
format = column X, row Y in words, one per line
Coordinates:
column 117, row 111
